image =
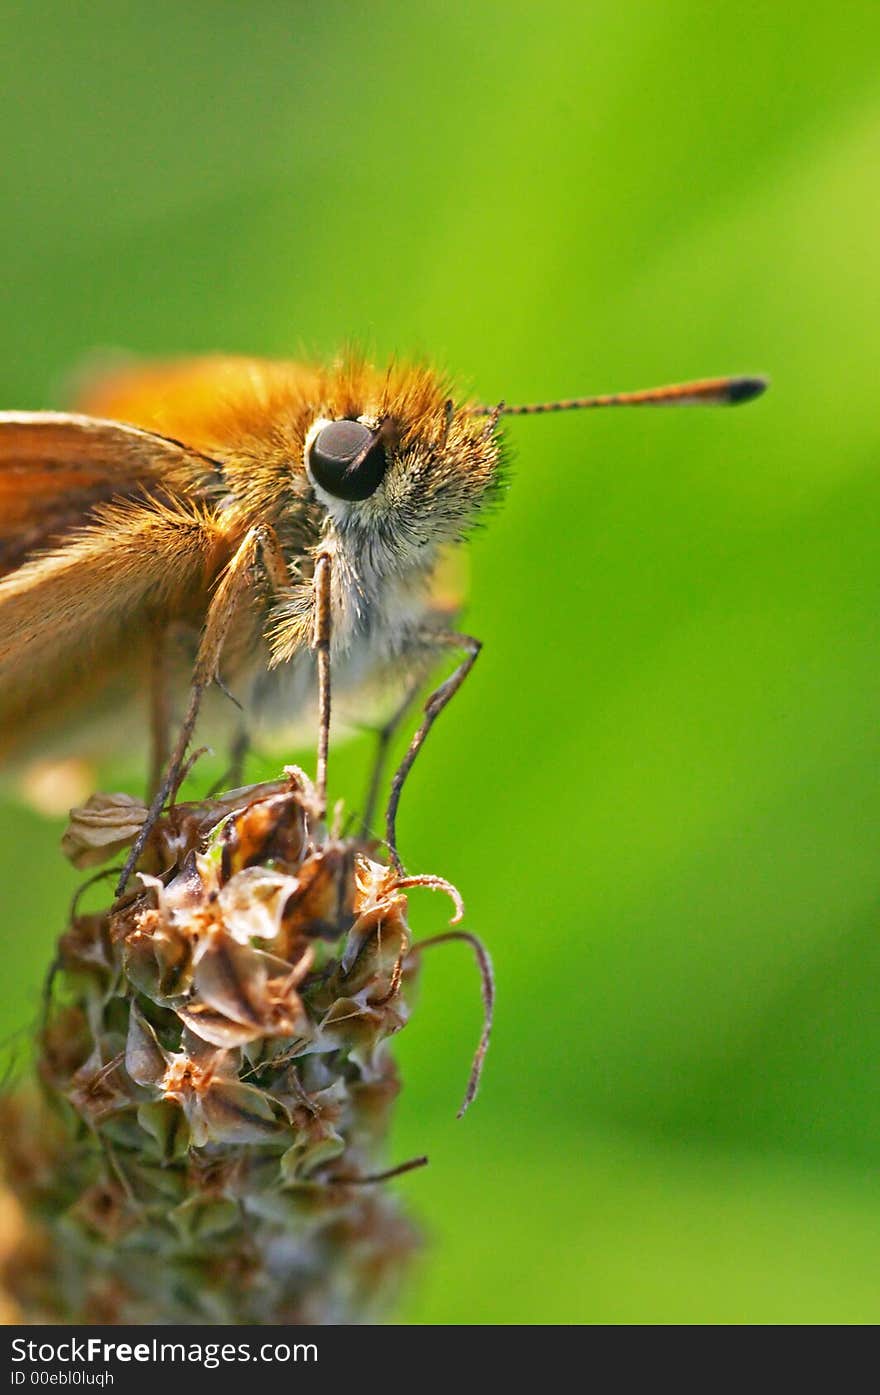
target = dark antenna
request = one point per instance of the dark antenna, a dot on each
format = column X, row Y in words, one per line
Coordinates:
column 705, row 392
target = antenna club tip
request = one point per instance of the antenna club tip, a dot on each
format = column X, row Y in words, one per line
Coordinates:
column 740, row 390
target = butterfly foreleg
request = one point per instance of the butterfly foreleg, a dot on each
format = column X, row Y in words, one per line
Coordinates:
column 321, row 637
column 260, row 552
column 160, row 706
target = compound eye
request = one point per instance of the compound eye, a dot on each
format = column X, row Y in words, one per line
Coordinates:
column 347, row 459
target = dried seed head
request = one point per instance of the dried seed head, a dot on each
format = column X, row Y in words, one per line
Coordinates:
column 224, row 1037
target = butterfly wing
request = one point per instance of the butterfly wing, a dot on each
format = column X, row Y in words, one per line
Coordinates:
column 56, row 466
column 204, row 401
column 105, row 530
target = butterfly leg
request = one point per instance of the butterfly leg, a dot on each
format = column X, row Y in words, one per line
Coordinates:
column 384, row 736
column 433, row 707
column 160, row 707
column 259, row 549
column 321, row 644
column 233, row 775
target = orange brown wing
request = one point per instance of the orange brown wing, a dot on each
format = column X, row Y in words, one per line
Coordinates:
column 102, row 534
column 205, row 401
column 56, row 466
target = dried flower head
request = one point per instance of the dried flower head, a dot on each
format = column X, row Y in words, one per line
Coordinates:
column 218, row 1041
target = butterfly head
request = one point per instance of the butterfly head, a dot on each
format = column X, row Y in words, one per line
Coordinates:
column 401, row 469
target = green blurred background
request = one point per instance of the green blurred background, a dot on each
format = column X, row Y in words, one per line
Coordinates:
column 660, row 791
